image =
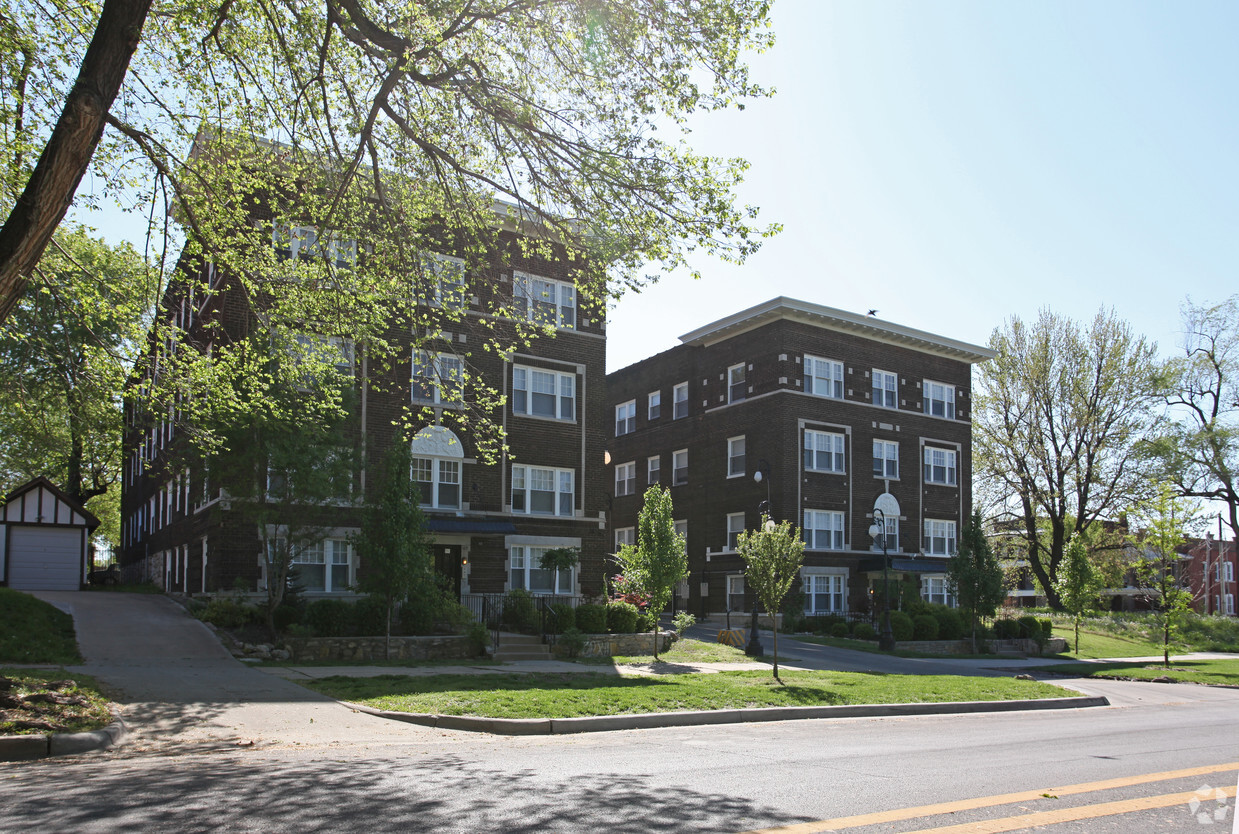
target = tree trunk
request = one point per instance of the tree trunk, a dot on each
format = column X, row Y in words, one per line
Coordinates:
column 775, row 628
column 45, row 200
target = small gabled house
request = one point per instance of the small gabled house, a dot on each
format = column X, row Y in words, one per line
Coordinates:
column 44, row 539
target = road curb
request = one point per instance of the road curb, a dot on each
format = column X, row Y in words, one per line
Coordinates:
column 43, row 745
column 649, row 720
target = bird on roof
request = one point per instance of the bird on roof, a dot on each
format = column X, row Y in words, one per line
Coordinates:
column 873, row 312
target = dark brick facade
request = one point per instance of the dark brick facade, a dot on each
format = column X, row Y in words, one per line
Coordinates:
column 199, row 543
column 771, row 342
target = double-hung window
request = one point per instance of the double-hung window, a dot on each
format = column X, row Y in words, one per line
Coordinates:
column 541, row 491
column 336, row 351
column 438, row 482
column 823, row 377
column 625, row 478
column 823, row 530
column 885, row 389
column 939, row 537
column 526, row 573
column 679, row 467
column 679, row 396
column 438, row 377
column 308, row 243
column 322, row 566
column 543, row 300
column 940, row 466
column 539, row 393
column 885, row 459
column 654, row 405
column 938, row 399
column 824, row 593
column 625, row 535
column 823, row 451
column 735, row 457
column 445, row 278
column 735, row 526
column 890, row 537
column 625, row 418
column 736, row 388
column 937, row 589
column 1228, row 574
column 653, row 470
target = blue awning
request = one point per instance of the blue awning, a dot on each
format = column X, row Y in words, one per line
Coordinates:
column 480, row 526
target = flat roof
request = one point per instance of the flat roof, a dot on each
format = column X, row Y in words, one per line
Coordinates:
column 818, row 315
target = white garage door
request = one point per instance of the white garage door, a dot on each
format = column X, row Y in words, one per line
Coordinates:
column 45, row 558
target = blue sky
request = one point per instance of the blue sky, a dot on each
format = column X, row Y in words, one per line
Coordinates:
column 955, row 163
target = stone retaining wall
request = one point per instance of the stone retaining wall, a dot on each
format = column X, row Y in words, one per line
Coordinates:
column 437, row 647
column 606, row 645
column 1054, row 645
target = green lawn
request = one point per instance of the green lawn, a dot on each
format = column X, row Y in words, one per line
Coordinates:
column 1215, row 672
column 689, row 650
column 582, row 694
column 32, row 631
column 1095, row 644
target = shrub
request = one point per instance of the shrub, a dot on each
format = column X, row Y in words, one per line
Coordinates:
column 1047, row 628
column 822, row 623
column 924, row 627
column 519, row 613
column 573, row 641
column 478, row 636
column 564, row 619
column 901, row 626
column 682, row 621
column 228, row 613
column 591, row 618
column 839, row 630
column 285, row 615
column 1006, row 629
column 950, row 623
column 370, row 617
column 329, row 617
column 864, row 631
column 646, row 620
column 622, row 617
column 417, row 616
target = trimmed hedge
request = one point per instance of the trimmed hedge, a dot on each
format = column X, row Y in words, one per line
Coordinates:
column 622, row 617
column 901, row 626
column 864, row 631
column 924, row 627
column 591, row 618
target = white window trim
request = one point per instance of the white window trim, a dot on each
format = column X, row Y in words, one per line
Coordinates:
column 625, row 535
column 438, row 267
column 929, row 581
column 630, row 482
column 731, row 457
column 439, row 381
column 810, row 377
column 840, row 453
column 560, row 378
column 527, row 490
column 842, row 531
column 874, row 385
column 886, row 446
column 531, row 560
column 629, row 418
column 728, row 546
column 653, row 400
column 436, row 476
column 947, row 400
column 522, row 290
column 676, row 400
column 675, row 480
column 806, row 578
column 949, row 533
column 731, row 385
column 951, row 467
column 652, row 471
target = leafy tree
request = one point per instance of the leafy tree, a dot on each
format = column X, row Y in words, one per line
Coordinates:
column 1078, row 584
column 1165, row 516
column 975, row 575
column 1199, row 452
column 773, row 556
column 427, row 111
column 659, row 561
column 65, row 353
column 285, row 464
column 392, row 545
column 1057, row 414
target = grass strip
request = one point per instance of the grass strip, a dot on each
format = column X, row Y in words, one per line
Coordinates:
column 33, row 631
column 50, row 701
column 571, row 695
column 1212, row 672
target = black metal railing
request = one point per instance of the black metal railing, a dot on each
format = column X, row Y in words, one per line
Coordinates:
column 535, row 614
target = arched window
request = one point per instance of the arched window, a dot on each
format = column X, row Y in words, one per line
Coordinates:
column 438, row 459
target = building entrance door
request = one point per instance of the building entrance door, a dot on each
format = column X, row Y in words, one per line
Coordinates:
column 447, row 564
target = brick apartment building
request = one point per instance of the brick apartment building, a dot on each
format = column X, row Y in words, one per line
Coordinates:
column 490, row 522
column 833, row 409
column 1211, row 567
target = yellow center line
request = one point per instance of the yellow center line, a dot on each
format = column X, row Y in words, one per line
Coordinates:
column 1082, row 812
column 859, row 820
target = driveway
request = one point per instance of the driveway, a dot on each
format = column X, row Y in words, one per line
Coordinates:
column 179, row 686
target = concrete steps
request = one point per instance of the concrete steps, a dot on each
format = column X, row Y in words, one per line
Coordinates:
column 521, row 647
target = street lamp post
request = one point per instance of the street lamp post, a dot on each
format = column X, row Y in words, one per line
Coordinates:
column 754, row 648
column 886, row 639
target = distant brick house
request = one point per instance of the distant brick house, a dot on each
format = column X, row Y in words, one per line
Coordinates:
column 490, row 523
column 1211, row 568
column 833, row 409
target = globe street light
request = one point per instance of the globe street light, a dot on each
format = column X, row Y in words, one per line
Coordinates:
column 886, row 639
column 754, row 647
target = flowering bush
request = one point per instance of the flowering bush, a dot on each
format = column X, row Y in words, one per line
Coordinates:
column 625, row 590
